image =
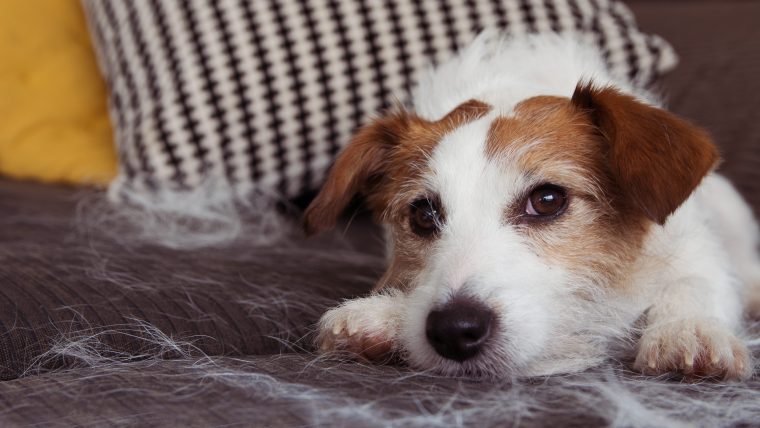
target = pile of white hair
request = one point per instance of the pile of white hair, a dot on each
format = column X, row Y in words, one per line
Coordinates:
column 344, row 393
column 209, row 215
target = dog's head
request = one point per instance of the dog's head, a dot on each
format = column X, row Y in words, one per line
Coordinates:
column 507, row 229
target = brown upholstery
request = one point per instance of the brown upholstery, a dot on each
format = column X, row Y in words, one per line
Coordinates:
column 59, row 282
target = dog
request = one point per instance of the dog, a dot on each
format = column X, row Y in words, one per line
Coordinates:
column 542, row 216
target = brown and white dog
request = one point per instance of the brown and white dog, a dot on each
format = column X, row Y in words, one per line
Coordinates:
column 532, row 220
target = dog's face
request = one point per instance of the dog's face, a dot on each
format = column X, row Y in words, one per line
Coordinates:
column 509, row 232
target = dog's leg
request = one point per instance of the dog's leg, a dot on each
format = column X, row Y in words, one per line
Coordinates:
column 685, row 333
column 733, row 221
column 697, row 292
column 366, row 327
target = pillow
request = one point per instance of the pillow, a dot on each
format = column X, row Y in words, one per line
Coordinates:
column 53, row 106
column 261, row 95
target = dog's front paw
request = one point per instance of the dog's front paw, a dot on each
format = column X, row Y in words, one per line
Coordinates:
column 365, row 327
column 695, row 348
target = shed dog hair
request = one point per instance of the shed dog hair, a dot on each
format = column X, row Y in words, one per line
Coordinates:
column 541, row 214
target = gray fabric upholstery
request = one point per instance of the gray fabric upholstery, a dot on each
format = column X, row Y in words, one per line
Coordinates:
column 60, row 279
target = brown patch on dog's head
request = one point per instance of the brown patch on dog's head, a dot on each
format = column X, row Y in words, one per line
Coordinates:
column 380, row 155
column 546, row 136
column 624, row 164
column 656, row 158
column 551, row 142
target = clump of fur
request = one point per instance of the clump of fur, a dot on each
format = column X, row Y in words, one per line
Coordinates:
column 210, row 215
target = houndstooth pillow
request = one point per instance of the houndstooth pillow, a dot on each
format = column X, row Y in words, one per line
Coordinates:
column 261, row 94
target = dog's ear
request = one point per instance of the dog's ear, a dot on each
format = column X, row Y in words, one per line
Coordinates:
column 656, row 158
column 356, row 168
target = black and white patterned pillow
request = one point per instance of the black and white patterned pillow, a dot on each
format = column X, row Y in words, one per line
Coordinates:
column 261, row 94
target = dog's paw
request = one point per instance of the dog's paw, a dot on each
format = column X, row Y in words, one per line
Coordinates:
column 365, row 327
column 694, row 348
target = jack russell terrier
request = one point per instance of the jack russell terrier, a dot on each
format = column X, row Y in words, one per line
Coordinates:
column 537, row 211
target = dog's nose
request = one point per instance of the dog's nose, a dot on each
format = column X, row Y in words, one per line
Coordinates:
column 459, row 329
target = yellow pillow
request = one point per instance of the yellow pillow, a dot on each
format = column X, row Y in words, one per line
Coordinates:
column 54, row 123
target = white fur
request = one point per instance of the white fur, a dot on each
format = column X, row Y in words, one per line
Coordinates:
column 688, row 281
column 209, row 215
column 479, row 255
column 504, row 71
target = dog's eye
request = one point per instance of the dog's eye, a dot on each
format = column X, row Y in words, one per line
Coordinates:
column 546, row 200
column 425, row 217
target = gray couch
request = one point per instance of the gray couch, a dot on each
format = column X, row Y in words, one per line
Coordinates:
column 97, row 332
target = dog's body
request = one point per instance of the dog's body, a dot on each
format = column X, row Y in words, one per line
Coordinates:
column 533, row 220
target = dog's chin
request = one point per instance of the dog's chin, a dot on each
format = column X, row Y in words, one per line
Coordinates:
column 497, row 367
column 491, row 363
column 499, row 361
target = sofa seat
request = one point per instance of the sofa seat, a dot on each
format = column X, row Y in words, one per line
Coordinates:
column 101, row 332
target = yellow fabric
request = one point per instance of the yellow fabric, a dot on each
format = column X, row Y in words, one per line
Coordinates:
column 54, row 123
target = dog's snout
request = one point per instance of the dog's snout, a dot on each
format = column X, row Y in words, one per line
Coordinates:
column 459, row 329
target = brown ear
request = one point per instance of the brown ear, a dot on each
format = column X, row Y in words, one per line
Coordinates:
column 353, row 170
column 365, row 158
column 656, row 158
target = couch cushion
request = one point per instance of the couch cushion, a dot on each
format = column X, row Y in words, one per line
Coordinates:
column 261, row 95
column 61, row 283
column 299, row 390
column 54, row 123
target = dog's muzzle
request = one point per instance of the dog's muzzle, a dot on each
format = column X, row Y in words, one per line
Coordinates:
column 460, row 329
